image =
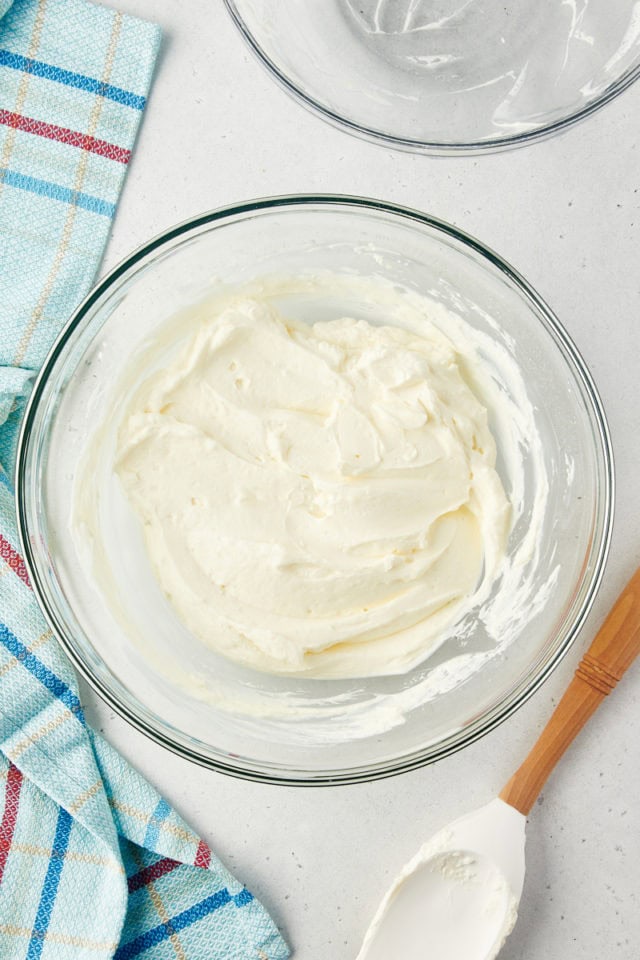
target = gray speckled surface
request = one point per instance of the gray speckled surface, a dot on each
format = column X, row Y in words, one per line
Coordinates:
column 566, row 213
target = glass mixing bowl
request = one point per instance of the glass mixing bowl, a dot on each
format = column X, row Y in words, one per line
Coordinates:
column 136, row 653
column 447, row 75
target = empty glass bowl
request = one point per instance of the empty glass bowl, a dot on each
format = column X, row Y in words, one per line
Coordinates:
column 136, row 652
column 450, row 75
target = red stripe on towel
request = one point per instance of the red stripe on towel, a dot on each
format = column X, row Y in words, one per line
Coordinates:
column 14, row 560
column 10, row 815
column 73, row 138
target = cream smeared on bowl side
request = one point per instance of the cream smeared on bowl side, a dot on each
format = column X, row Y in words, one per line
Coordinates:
column 485, row 624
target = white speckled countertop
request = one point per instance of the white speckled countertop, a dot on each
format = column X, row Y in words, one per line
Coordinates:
column 566, row 213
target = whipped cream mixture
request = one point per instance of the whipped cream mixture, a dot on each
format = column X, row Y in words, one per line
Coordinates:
column 316, row 499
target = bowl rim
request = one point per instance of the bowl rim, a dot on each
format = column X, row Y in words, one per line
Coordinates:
column 261, row 771
column 438, row 147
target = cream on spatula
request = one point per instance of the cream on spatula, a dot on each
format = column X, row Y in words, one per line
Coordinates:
column 458, row 898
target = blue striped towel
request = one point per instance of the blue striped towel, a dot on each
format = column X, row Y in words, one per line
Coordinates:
column 93, row 863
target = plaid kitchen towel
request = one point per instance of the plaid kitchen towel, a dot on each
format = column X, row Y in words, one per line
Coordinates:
column 93, row 863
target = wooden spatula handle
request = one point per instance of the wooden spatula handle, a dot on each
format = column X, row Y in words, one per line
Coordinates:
column 615, row 647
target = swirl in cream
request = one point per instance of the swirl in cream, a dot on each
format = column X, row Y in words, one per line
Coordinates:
column 316, row 499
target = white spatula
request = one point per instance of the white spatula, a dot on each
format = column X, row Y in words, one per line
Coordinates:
column 458, row 898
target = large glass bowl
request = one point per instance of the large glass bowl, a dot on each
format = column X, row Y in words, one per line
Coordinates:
column 288, row 729
column 451, row 75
